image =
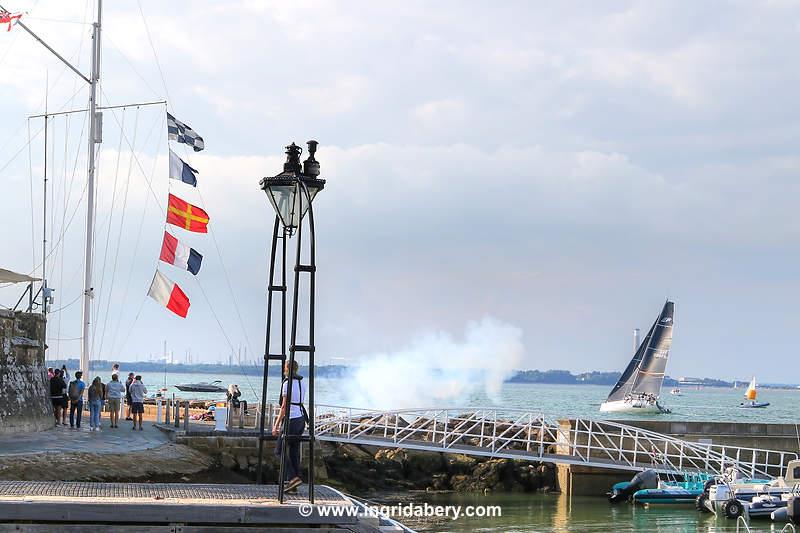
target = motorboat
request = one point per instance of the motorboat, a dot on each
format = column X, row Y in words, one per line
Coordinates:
column 750, row 397
column 214, row 386
column 675, row 392
column 674, row 492
column 731, row 494
column 639, row 387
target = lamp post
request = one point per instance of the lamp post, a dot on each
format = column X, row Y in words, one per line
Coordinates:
column 291, row 194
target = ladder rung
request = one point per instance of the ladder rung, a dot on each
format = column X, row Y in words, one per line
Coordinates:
column 305, row 268
column 302, row 348
column 277, row 288
column 274, row 357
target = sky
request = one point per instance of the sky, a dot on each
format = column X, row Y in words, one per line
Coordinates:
column 546, row 173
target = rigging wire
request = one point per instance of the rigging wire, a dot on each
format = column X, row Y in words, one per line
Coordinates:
column 135, row 253
column 112, row 211
column 155, row 54
column 224, row 334
column 30, row 179
column 119, row 236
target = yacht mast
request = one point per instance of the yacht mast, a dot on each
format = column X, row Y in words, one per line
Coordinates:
column 95, row 137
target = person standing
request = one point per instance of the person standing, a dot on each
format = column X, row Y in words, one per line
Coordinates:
column 137, row 392
column 128, row 383
column 114, row 390
column 95, row 403
column 50, row 372
column 75, row 392
column 57, row 394
column 65, row 396
column 297, row 424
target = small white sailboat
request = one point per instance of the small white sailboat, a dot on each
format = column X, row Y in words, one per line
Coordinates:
column 750, row 395
column 639, row 387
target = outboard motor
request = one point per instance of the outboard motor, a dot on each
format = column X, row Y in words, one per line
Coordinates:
column 621, row 492
column 793, row 509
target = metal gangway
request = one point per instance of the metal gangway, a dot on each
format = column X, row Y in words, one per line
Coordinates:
column 533, row 436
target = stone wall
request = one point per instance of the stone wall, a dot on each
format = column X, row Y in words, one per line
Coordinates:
column 364, row 469
column 24, row 391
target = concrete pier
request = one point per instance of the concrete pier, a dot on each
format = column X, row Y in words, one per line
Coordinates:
column 67, row 506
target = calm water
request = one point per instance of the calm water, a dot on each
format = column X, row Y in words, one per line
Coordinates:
column 556, row 400
column 557, row 513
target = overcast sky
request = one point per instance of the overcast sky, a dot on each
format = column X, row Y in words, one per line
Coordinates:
column 557, row 168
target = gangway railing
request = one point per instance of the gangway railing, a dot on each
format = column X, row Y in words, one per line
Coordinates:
column 530, row 435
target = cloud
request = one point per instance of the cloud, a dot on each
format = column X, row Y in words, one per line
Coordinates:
column 563, row 180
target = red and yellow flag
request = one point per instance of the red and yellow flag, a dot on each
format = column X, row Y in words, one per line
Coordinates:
column 186, row 216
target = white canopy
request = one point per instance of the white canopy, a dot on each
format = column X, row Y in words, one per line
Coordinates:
column 7, row 276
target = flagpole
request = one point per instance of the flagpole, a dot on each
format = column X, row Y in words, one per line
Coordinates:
column 88, row 293
column 94, row 138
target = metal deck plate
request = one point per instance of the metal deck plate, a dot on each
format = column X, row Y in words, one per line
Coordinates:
column 164, row 491
column 163, row 503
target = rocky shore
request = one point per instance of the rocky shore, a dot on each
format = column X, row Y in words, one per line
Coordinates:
column 365, row 469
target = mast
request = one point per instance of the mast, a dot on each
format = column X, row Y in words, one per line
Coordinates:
column 94, row 138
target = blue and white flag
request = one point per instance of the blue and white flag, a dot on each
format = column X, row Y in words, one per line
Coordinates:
column 179, row 170
column 178, row 131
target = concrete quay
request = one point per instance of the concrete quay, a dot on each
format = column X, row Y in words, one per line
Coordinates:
column 154, row 507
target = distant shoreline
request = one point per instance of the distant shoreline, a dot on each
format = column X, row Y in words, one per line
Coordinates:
column 546, row 377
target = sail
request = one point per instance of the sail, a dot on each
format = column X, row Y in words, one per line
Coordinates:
column 750, row 394
column 645, row 373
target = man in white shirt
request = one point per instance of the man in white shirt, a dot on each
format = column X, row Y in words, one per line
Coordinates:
column 297, row 425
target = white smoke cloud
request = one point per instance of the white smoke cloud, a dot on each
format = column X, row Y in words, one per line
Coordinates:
column 436, row 368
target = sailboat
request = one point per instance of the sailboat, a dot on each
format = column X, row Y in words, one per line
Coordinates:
column 750, row 395
column 639, row 387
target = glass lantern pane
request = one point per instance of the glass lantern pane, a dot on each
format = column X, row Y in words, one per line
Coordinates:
column 283, row 198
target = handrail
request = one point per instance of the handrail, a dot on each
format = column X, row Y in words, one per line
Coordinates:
column 531, row 435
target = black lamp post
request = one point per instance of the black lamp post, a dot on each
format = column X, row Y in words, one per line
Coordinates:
column 291, row 194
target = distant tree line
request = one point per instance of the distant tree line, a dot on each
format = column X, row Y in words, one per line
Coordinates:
column 553, row 377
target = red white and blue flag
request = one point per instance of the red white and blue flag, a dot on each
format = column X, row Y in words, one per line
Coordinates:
column 9, row 18
column 180, row 255
column 167, row 293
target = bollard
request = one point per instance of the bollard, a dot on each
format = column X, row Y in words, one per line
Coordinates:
column 166, row 414
column 241, row 417
column 186, row 416
column 158, row 410
column 178, row 413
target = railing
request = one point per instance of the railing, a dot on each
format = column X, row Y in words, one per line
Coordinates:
column 531, row 435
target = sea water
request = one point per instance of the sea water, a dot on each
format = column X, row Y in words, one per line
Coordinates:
column 556, row 401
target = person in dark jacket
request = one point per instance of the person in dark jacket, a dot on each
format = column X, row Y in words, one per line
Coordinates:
column 57, row 395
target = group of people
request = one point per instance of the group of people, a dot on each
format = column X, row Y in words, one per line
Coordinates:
column 68, row 395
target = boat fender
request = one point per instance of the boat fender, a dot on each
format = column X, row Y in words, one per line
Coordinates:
column 733, row 508
column 780, row 515
column 793, row 510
